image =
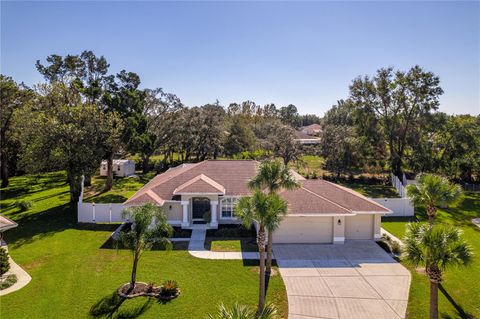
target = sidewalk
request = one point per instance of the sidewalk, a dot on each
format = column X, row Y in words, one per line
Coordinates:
column 196, row 248
column 22, row 277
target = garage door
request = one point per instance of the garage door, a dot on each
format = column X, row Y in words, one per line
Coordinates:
column 359, row 227
column 302, row 230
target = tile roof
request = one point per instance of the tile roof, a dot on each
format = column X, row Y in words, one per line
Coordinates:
column 230, row 178
column 200, row 184
column 6, row 223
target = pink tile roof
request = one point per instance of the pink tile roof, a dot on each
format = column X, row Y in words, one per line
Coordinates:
column 230, row 177
column 200, row 184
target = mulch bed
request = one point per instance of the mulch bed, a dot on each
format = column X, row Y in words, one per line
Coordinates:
column 144, row 289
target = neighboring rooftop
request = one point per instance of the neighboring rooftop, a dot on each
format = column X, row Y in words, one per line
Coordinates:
column 6, row 223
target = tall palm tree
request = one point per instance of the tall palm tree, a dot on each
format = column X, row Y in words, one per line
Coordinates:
column 433, row 191
column 437, row 248
column 273, row 176
column 260, row 208
column 243, row 312
column 149, row 226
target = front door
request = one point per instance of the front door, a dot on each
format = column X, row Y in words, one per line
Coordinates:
column 201, row 205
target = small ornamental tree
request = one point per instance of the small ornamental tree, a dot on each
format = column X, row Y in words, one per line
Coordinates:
column 149, row 227
column 4, row 262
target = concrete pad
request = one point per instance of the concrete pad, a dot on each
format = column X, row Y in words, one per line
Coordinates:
column 361, row 279
column 399, row 306
column 367, row 268
column 365, row 309
column 297, row 268
column 390, row 287
column 307, row 286
column 351, row 287
column 313, row 307
column 336, row 268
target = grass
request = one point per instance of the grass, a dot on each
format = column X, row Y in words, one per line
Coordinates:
column 231, row 244
column 460, row 293
column 74, row 273
column 123, row 188
column 372, row 190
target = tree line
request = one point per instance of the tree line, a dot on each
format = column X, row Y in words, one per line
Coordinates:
column 83, row 114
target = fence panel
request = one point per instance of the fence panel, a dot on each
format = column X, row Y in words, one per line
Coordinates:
column 399, row 206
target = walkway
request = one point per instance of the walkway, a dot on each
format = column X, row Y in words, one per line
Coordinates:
column 196, row 248
column 22, row 277
column 355, row 280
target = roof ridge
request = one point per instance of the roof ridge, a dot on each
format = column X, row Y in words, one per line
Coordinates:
column 326, row 199
column 210, row 181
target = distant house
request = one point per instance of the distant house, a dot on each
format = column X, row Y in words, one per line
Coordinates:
column 313, row 129
column 305, row 139
column 319, row 211
column 121, row 168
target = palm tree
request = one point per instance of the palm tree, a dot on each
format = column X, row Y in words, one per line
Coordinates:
column 260, row 208
column 438, row 248
column 433, row 191
column 273, row 176
column 243, row 312
column 149, row 227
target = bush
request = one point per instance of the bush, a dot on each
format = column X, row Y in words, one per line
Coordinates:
column 396, row 248
column 4, row 262
column 8, row 282
column 23, row 205
column 314, row 175
column 385, row 246
column 207, row 217
column 236, row 231
column 169, row 287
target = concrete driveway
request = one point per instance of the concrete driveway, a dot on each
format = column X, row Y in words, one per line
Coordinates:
column 354, row 280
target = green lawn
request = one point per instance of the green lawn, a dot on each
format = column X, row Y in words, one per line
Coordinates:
column 122, row 188
column 372, row 190
column 231, row 244
column 74, row 273
column 460, row 297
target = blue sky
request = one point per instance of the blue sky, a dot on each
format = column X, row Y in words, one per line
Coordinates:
column 304, row 53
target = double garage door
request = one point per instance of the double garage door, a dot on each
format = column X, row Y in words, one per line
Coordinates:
column 300, row 230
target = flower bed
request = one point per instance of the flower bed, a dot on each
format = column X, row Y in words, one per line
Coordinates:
column 147, row 290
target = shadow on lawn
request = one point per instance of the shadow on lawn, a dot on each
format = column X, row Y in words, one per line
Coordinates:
column 461, row 313
column 109, row 307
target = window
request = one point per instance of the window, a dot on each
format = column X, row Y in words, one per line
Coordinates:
column 228, row 207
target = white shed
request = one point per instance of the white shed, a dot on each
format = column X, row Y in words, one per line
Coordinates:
column 121, row 168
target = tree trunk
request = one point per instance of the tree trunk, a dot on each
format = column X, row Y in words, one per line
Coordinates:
column 75, row 187
column 431, row 215
column 109, row 182
column 4, row 169
column 261, row 250
column 134, row 270
column 145, row 163
column 268, row 270
column 88, row 180
column 433, row 300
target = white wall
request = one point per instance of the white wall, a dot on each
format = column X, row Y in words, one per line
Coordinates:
column 100, row 213
column 399, row 206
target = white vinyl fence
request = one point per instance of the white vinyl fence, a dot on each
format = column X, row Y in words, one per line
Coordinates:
column 399, row 206
column 99, row 213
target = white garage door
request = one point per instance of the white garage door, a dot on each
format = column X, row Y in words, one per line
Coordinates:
column 359, row 227
column 302, row 230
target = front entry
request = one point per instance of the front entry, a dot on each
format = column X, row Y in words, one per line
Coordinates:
column 200, row 205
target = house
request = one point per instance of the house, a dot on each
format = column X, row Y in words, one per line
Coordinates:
column 121, row 168
column 5, row 224
column 305, row 139
column 313, row 129
column 319, row 211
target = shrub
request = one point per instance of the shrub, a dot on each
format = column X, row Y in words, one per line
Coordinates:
column 396, row 248
column 207, row 217
column 4, row 262
column 23, row 205
column 385, row 246
column 314, row 175
column 8, row 282
column 169, row 287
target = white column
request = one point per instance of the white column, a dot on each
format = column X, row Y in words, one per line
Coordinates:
column 213, row 211
column 185, row 222
column 377, row 226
